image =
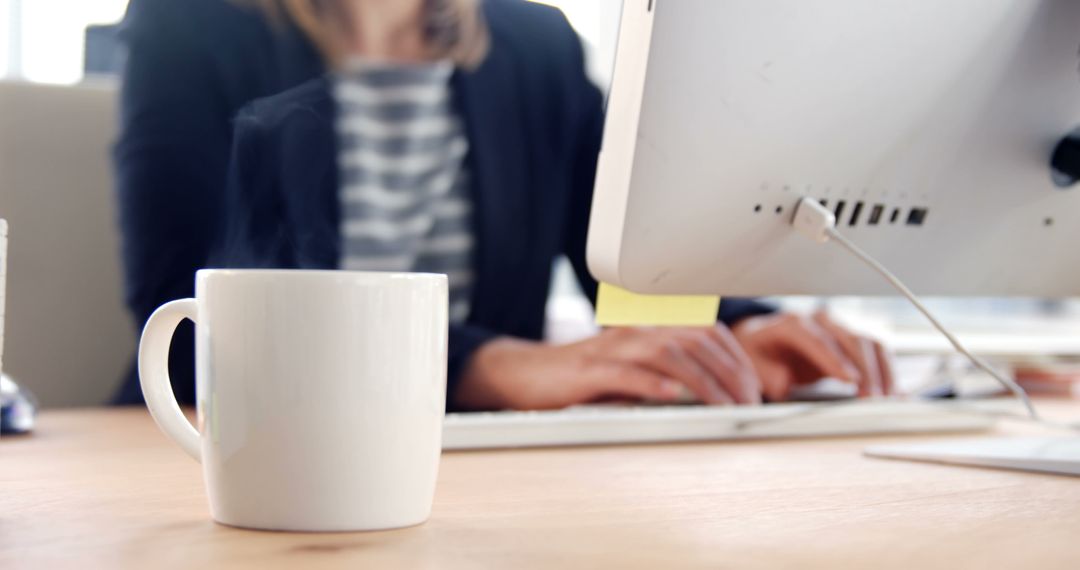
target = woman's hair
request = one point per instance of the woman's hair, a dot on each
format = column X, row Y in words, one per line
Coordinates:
column 453, row 29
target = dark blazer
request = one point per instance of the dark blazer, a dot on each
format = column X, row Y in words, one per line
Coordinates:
column 534, row 124
column 190, row 66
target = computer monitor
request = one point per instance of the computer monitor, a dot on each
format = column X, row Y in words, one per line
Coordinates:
column 927, row 127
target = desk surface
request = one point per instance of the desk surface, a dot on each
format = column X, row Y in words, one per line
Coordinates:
column 106, row 489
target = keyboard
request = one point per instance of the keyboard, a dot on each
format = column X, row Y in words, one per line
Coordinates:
column 606, row 425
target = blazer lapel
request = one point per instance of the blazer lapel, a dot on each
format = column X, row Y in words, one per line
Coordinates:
column 490, row 103
column 309, row 168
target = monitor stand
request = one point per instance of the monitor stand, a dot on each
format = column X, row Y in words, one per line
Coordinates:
column 1059, row 455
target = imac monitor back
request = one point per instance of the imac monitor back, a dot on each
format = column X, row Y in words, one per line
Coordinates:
column 927, row 126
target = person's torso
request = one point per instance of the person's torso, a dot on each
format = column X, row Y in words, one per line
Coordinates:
column 403, row 194
column 517, row 111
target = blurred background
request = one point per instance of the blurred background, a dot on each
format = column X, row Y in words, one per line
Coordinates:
column 69, row 338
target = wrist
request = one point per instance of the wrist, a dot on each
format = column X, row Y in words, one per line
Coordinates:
column 483, row 381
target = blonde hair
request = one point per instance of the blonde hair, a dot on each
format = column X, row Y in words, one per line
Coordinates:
column 453, row 29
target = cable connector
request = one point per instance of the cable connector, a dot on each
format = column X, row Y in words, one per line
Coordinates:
column 813, row 220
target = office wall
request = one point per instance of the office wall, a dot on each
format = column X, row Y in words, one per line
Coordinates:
column 68, row 337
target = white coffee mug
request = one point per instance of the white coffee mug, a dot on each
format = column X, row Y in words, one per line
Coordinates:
column 320, row 395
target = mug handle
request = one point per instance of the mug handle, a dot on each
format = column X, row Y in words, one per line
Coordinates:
column 154, row 373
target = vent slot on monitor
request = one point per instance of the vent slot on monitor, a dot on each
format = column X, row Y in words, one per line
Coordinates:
column 875, row 214
column 855, row 213
column 839, row 210
column 916, row 217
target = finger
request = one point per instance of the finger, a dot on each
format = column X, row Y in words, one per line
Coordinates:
column 703, row 352
column 872, row 384
column 818, row 349
column 745, row 364
column 859, row 350
column 888, row 384
column 775, row 371
column 735, row 375
column 666, row 355
column 777, row 380
column 707, row 385
column 633, row 382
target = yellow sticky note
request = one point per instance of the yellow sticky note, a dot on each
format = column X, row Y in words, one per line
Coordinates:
column 616, row 307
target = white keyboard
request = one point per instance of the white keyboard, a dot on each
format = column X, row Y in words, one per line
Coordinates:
column 599, row 425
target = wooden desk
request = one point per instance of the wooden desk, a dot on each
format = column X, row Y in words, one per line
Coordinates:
column 104, row 489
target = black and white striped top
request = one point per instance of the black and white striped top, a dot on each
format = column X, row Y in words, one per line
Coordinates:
column 404, row 187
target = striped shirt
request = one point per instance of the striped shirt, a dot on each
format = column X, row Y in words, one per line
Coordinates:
column 404, row 187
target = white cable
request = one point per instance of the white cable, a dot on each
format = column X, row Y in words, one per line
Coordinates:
column 899, row 285
column 814, row 220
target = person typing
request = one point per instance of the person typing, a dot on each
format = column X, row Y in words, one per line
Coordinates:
column 455, row 137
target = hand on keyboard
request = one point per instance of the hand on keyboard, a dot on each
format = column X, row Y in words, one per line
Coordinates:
column 627, row 363
column 791, row 351
column 769, row 355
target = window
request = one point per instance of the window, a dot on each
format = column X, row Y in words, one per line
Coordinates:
column 44, row 40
